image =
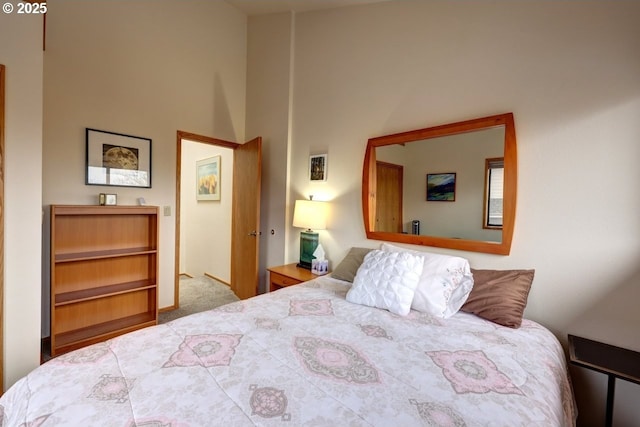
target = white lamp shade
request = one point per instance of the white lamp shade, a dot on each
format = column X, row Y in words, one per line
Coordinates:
column 310, row 215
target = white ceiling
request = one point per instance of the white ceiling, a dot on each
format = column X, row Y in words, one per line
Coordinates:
column 261, row 7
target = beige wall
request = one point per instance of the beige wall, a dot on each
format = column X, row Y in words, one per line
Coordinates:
column 205, row 225
column 569, row 72
column 269, row 80
column 146, row 68
column 23, row 191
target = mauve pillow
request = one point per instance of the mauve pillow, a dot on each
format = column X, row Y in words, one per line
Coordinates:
column 499, row 295
column 348, row 267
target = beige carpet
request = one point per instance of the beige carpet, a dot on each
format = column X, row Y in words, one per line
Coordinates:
column 199, row 294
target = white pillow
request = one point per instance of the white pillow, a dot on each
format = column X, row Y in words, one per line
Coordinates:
column 445, row 283
column 387, row 280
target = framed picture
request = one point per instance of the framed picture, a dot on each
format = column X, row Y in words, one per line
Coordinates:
column 208, row 179
column 118, row 160
column 318, row 167
column 107, row 199
column 441, row 187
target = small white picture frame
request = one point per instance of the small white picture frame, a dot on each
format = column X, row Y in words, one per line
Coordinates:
column 318, row 167
column 105, row 199
column 110, row 199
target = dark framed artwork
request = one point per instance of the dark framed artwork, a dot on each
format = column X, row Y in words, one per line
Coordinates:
column 318, row 167
column 441, row 187
column 117, row 159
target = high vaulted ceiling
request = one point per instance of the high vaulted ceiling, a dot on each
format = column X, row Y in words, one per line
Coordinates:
column 261, row 7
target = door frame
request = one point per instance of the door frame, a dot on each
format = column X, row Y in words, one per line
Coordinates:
column 2, row 77
column 180, row 135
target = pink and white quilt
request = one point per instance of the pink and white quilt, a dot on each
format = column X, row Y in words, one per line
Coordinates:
column 304, row 356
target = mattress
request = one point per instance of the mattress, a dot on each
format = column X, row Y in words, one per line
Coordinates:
column 304, row 356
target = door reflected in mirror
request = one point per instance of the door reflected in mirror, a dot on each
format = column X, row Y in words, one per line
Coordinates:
column 463, row 155
column 478, row 211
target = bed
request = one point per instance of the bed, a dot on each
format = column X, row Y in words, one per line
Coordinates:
column 305, row 356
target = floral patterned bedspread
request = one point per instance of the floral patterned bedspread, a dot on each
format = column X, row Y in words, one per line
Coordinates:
column 304, row 356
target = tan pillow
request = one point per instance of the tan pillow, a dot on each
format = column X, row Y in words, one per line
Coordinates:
column 499, row 295
column 348, row 267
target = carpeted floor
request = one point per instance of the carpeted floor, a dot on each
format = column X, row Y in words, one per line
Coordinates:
column 199, row 294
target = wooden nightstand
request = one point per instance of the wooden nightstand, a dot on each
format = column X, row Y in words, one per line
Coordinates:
column 287, row 275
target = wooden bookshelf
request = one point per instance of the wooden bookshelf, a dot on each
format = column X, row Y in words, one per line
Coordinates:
column 104, row 269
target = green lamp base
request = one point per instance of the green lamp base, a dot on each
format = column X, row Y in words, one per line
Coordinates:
column 308, row 245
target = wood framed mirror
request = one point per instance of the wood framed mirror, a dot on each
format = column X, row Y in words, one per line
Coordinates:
column 393, row 206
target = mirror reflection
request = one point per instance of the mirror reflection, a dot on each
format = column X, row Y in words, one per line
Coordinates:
column 450, row 186
column 402, row 184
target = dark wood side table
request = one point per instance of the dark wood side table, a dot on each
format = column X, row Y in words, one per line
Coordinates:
column 615, row 362
column 288, row 275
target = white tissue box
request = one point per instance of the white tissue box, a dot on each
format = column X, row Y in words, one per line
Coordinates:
column 319, row 267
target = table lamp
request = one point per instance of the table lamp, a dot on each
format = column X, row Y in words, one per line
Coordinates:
column 311, row 216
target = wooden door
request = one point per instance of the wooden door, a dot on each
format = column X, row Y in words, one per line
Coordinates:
column 245, row 224
column 389, row 197
column 1, row 226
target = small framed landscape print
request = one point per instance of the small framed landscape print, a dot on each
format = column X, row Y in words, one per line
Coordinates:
column 441, row 187
column 318, row 167
column 208, row 179
column 116, row 159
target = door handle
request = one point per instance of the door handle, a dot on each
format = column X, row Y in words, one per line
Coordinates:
column 255, row 233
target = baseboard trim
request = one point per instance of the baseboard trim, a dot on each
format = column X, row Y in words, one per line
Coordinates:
column 211, row 276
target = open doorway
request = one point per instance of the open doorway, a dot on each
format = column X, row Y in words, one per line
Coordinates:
column 239, row 173
column 203, row 212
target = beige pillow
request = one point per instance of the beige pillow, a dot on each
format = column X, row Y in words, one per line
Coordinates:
column 499, row 295
column 348, row 267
